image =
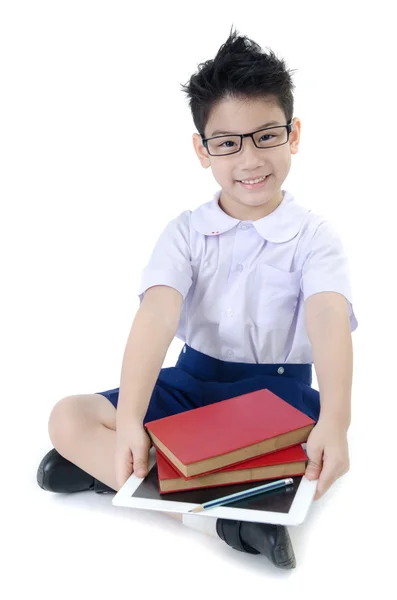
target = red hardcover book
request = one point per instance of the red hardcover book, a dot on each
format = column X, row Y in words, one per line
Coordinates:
column 209, row 438
column 289, row 462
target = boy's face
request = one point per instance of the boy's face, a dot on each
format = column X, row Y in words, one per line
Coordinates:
column 243, row 116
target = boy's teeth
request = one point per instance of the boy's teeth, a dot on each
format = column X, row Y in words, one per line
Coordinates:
column 251, row 181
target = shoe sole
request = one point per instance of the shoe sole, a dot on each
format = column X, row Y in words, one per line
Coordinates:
column 291, row 564
column 40, row 471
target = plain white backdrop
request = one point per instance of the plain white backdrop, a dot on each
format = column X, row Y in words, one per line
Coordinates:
column 96, row 156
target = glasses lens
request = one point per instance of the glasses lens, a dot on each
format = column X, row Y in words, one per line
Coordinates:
column 271, row 137
column 266, row 138
column 224, row 145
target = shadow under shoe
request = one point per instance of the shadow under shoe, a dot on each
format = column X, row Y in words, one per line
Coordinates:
column 259, row 538
column 57, row 474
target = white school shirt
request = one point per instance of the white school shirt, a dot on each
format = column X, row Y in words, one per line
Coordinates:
column 244, row 283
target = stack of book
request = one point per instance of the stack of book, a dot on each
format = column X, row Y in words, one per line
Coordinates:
column 252, row 437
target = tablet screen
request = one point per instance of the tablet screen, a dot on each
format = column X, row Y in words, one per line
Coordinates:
column 274, row 501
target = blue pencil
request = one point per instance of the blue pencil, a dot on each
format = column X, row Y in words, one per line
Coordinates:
column 267, row 487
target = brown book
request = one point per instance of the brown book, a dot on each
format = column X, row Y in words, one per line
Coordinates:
column 289, row 462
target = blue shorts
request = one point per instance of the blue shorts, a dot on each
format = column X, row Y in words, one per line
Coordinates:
column 197, row 380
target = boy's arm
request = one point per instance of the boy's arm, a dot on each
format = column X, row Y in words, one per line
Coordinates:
column 153, row 329
column 328, row 329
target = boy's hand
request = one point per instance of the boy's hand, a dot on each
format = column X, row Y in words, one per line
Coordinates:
column 132, row 450
column 328, row 455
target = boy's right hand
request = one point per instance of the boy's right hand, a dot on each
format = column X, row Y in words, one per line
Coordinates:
column 132, row 450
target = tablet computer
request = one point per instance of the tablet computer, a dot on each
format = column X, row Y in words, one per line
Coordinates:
column 284, row 506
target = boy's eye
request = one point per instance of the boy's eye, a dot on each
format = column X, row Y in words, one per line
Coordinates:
column 227, row 142
column 267, row 135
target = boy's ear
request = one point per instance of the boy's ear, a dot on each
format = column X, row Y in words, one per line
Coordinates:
column 294, row 136
column 201, row 151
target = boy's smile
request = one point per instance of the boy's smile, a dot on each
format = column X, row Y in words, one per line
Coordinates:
column 244, row 201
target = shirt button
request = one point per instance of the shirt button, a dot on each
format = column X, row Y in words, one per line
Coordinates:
column 280, row 370
column 239, row 267
column 206, row 263
column 184, row 349
column 230, row 353
column 229, row 312
column 244, row 226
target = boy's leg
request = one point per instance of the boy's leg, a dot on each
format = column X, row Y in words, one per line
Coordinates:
column 82, row 429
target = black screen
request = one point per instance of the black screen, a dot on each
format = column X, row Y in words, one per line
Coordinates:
column 275, row 501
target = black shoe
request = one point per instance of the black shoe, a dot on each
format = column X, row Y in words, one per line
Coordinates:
column 259, row 538
column 57, row 474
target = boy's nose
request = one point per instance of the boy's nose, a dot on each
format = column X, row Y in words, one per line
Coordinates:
column 251, row 154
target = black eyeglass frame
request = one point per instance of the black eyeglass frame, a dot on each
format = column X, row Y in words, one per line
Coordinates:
column 244, row 135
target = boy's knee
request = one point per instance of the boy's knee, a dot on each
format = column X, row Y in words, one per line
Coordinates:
column 64, row 421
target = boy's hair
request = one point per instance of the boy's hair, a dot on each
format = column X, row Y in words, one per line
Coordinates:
column 240, row 70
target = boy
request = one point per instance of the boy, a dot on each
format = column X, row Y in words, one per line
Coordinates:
column 255, row 284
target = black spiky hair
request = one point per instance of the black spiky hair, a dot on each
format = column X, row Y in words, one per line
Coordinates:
column 240, row 70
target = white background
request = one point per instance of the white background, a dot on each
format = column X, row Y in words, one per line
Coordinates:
column 96, row 158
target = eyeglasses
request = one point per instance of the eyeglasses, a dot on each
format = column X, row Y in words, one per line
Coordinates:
column 222, row 145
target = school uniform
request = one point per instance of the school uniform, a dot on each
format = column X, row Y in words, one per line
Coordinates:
column 244, row 284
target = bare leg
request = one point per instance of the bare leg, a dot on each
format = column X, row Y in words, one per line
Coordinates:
column 82, row 429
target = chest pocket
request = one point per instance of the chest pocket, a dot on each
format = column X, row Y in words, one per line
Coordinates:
column 274, row 297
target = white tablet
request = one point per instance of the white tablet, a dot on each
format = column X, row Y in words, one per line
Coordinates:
column 285, row 506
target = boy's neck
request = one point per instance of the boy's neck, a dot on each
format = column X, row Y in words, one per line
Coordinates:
column 249, row 213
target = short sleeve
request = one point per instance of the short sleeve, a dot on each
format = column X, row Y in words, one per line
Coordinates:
column 169, row 263
column 326, row 267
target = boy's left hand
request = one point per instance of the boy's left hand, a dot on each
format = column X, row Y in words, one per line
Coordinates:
column 328, row 455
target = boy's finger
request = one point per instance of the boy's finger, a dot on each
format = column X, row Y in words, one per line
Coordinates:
column 313, row 469
column 140, row 465
column 327, row 478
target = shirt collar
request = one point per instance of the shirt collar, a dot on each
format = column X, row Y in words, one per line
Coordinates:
column 283, row 224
